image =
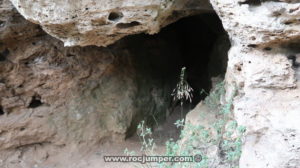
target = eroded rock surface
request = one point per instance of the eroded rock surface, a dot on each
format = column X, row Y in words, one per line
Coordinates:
column 258, row 22
column 54, row 97
column 264, row 66
column 267, row 104
column 89, row 22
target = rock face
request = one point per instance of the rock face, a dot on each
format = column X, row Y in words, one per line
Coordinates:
column 252, row 22
column 264, row 66
column 206, row 118
column 61, row 96
column 58, row 96
column 87, row 22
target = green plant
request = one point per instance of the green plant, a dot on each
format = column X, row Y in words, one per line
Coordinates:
column 232, row 141
column 147, row 143
column 213, row 98
column 145, row 135
column 224, row 135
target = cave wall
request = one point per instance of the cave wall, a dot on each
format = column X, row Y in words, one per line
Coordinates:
column 262, row 67
column 265, row 36
column 54, row 97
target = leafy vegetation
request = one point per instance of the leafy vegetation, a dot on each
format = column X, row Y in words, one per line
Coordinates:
column 219, row 143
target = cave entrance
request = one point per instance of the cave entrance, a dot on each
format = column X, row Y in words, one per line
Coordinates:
column 198, row 43
column 203, row 45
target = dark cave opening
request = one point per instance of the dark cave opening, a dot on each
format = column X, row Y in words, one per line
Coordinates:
column 199, row 38
column 198, row 43
column 35, row 102
column 1, row 111
column 3, row 55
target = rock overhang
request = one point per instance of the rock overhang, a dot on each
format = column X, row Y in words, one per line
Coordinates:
column 101, row 23
column 259, row 22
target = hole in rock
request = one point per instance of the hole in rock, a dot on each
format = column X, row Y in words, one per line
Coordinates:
column 115, row 16
column 293, row 60
column 252, row 45
column 35, row 102
column 198, row 43
column 1, row 110
column 267, row 48
column 256, row 2
column 288, row 22
column 2, row 23
column 251, row 2
column 3, row 55
column 291, row 46
column 128, row 25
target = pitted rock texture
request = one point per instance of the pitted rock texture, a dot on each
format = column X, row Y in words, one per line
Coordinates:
column 259, row 22
column 52, row 95
column 263, row 67
column 267, row 103
column 56, row 97
column 89, row 22
column 14, row 27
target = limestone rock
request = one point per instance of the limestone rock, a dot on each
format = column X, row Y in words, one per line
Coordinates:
column 263, row 68
column 13, row 26
column 259, row 22
column 272, row 122
column 54, row 96
column 266, row 104
column 88, row 22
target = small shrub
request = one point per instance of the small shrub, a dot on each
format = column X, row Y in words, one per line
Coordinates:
column 224, row 135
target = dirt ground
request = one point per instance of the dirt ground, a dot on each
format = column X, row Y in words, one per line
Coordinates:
column 50, row 156
column 161, row 134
